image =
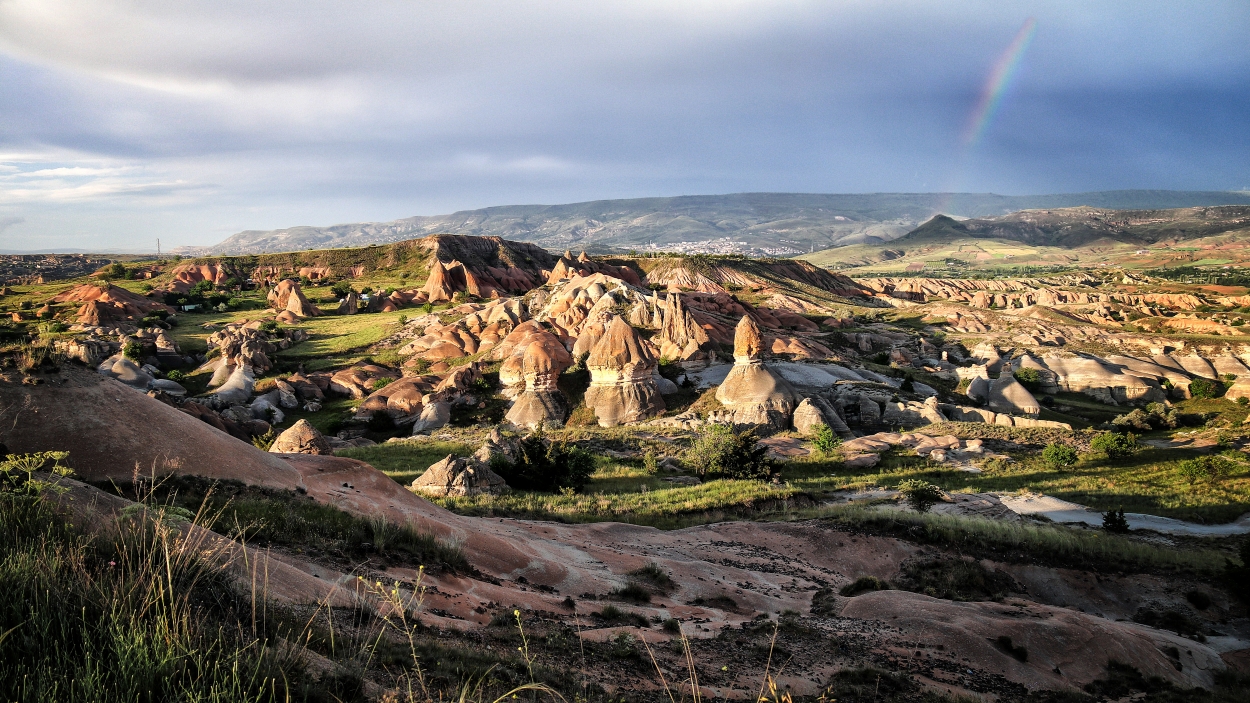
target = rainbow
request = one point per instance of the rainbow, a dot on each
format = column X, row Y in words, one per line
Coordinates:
column 996, row 84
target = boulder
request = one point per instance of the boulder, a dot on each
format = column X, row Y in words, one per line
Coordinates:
column 752, row 392
column 1008, row 396
column 350, row 304
column 301, row 438
column 457, row 477
column 622, row 388
column 167, row 386
column 434, row 415
column 812, row 412
column 237, row 388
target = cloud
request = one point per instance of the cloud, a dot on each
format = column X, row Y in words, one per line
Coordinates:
column 129, row 119
column 7, row 222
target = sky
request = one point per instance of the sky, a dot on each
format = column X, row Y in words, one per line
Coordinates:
column 124, row 122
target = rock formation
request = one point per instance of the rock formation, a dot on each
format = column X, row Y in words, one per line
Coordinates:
column 682, row 339
column 457, row 477
column 301, row 438
column 288, row 296
column 752, row 393
column 621, row 385
column 1008, row 396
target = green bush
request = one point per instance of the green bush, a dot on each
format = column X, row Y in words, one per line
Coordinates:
column 824, row 441
column 1058, row 456
column 542, row 465
column 722, row 451
column 341, row 289
column 1115, row 446
column 1204, row 468
column 920, row 495
column 1029, row 378
column 1205, row 388
column 176, row 376
column 133, row 351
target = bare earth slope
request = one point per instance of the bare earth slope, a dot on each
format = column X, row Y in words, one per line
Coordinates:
column 723, row 574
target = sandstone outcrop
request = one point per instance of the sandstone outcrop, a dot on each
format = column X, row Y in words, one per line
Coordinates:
column 621, row 367
column 288, row 296
column 109, row 305
column 458, row 477
column 1008, row 396
column 752, row 393
column 301, row 438
column 531, row 373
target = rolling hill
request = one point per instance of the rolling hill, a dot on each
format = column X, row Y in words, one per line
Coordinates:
column 778, row 224
column 1063, row 236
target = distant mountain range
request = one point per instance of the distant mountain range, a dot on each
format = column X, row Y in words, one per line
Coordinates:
column 777, row 224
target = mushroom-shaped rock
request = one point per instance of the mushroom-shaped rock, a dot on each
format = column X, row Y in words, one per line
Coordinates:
column 301, row 438
column 457, row 476
column 621, row 385
column 1008, row 396
column 754, row 393
column 542, row 402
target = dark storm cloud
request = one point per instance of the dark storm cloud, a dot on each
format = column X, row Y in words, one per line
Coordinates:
column 192, row 120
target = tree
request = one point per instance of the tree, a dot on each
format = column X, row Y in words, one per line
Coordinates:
column 824, row 441
column 1115, row 522
column 1204, row 468
column 1058, row 456
column 1204, row 388
column 920, row 494
column 723, row 452
column 133, row 351
column 341, row 289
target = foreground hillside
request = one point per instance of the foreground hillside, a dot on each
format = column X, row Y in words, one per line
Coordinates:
column 455, row 465
column 1205, row 236
column 777, row 224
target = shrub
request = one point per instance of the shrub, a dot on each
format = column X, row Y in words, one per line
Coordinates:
column 920, row 495
column 542, row 465
column 1205, row 388
column 176, row 376
column 265, row 441
column 1156, row 416
column 1058, row 456
column 1115, row 446
column 342, row 289
column 864, row 584
column 1029, row 378
column 269, row 326
column 722, row 451
column 649, row 463
column 1204, row 468
column 1113, row 521
column 824, row 441
column 133, row 351
column 380, row 383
